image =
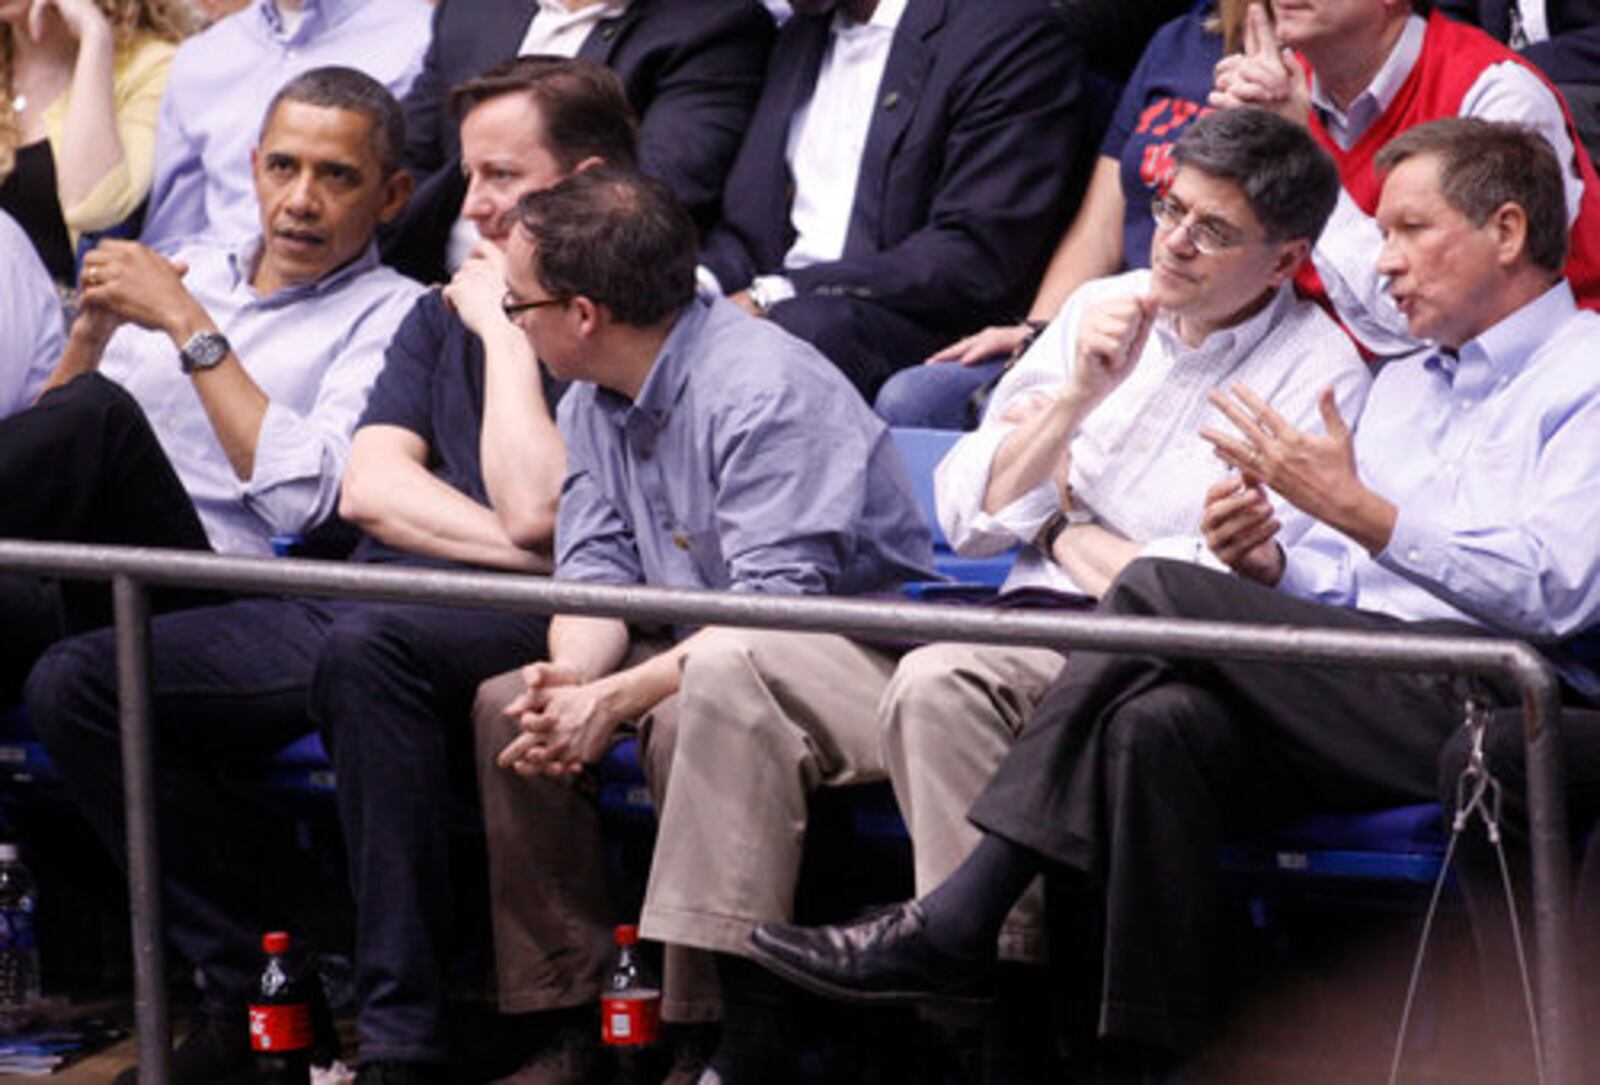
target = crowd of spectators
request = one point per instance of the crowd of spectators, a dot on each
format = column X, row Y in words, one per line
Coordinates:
column 1256, row 311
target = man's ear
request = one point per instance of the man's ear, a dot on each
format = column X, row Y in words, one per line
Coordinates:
column 396, row 191
column 591, row 317
column 1508, row 226
column 1291, row 254
column 592, row 162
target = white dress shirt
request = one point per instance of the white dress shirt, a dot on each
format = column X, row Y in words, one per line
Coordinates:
column 1138, row 462
column 827, row 136
column 1346, row 255
column 313, row 350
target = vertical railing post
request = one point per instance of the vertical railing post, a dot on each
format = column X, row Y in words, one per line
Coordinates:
column 144, row 867
column 1552, row 881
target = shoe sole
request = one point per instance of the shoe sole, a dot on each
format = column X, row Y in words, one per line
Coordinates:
column 817, row 986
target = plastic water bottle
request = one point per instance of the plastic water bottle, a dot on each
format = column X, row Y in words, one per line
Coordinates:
column 280, row 1019
column 630, row 1013
column 19, row 950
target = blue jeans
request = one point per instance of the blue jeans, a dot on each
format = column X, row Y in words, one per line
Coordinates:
column 935, row 396
column 391, row 685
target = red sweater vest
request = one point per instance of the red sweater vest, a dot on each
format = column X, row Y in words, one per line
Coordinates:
column 1453, row 57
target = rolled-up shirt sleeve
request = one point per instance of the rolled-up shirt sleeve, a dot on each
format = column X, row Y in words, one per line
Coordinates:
column 962, row 478
column 300, row 456
column 791, row 495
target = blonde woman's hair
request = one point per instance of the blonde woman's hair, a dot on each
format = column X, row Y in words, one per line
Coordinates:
column 171, row 20
column 1227, row 19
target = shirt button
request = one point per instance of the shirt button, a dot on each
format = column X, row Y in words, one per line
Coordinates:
column 1413, row 554
column 1465, row 404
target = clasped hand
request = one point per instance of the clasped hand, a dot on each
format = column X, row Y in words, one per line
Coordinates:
column 125, row 282
column 1265, row 75
column 566, row 722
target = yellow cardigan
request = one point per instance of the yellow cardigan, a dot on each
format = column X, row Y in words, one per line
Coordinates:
column 138, row 80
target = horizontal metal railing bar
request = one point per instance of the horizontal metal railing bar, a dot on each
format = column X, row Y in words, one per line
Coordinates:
column 894, row 620
column 870, row 617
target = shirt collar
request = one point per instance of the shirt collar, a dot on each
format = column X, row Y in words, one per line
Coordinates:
column 243, row 255
column 1390, row 78
column 1506, row 348
column 318, row 14
column 886, row 16
column 1235, row 342
column 669, row 374
column 608, row 10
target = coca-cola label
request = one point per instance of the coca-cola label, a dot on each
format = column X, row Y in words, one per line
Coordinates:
column 630, row 1022
column 280, row 1028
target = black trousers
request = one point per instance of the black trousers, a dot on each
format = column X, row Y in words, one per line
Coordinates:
column 82, row 465
column 391, row 686
column 1133, row 770
column 867, row 341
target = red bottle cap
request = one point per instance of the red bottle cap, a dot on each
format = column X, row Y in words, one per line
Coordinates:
column 627, row 935
column 275, row 942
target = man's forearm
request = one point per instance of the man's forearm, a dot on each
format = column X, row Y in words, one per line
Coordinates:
column 1032, row 451
column 78, row 358
column 593, row 647
column 1093, row 556
column 523, row 456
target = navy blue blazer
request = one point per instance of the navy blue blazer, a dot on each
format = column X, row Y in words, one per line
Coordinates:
column 969, row 171
column 691, row 69
column 1571, row 55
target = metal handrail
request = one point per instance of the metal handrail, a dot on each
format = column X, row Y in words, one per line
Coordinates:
column 131, row 569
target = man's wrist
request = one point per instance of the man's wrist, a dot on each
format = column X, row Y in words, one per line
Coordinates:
column 189, row 321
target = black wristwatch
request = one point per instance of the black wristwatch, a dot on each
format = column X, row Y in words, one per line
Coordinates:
column 1059, row 521
column 203, row 350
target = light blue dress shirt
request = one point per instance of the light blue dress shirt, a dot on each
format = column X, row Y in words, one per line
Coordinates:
column 217, row 96
column 748, row 463
column 1493, row 459
column 31, row 333
column 313, row 350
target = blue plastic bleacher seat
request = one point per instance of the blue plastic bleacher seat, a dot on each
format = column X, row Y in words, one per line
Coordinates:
column 922, row 449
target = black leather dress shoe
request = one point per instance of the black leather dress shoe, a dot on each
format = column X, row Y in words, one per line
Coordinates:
column 883, row 957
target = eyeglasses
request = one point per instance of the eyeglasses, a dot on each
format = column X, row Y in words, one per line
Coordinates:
column 1208, row 236
column 514, row 308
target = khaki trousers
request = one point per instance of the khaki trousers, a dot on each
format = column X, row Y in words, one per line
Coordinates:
column 763, row 719
column 950, row 714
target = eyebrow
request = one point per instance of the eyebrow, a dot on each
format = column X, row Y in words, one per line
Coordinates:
column 1215, row 222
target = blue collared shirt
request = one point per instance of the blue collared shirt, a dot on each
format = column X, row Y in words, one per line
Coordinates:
column 217, row 96
column 313, row 350
column 1493, row 459
column 748, row 462
column 31, row 332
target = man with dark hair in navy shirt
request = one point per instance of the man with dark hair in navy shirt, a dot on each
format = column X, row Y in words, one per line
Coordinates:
column 457, row 463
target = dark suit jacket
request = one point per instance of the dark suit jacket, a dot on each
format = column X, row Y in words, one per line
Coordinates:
column 1572, row 53
column 967, row 174
column 691, row 69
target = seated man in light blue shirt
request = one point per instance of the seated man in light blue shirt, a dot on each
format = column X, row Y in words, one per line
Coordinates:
column 705, row 449
column 207, row 402
column 1468, row 500
column 222, row 80
column 31, row 332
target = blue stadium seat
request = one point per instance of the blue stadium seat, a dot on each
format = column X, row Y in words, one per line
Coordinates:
column 922, row 449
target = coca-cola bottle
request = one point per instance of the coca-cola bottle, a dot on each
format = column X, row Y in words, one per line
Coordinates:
column 280, row 1019
column 630, row 1013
